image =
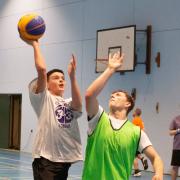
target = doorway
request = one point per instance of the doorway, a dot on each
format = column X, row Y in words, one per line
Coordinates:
column 10, row 121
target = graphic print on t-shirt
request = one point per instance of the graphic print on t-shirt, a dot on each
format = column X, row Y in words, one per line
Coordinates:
column 63, row 114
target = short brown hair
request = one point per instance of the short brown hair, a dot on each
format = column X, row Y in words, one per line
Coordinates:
column 53, row 71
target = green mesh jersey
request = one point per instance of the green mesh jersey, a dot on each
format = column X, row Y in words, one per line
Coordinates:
column 110, row 153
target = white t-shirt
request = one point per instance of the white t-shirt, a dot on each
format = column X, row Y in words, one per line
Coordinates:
column 58, row 136
column 116, row 124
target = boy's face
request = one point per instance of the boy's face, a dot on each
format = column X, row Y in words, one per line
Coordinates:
column 118, row 100
column 56, row 83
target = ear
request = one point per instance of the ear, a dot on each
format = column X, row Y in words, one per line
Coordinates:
column 128, row 104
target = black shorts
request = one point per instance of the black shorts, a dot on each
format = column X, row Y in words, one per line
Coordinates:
column 175, row 160
column 43, row 169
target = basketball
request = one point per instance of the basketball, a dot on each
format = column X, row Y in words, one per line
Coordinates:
column 31, row 26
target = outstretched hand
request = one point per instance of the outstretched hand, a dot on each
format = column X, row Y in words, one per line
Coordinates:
column 72, row 67
column 116, row 60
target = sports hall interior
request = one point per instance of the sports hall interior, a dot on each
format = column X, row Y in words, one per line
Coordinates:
column 71, row 27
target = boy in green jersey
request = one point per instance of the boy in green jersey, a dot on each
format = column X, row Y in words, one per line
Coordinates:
column 113, row 140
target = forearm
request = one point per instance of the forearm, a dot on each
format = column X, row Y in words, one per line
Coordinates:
column 174, row 132
column 158, row 167
column 40, row 67
column 38, row 57
column 155, row 161
column 96, row 87
column 76, row 95
column 114, row 63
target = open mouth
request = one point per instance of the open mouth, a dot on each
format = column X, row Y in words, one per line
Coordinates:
column 61, row 85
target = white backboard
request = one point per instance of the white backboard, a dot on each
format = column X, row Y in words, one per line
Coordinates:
column 116, row 39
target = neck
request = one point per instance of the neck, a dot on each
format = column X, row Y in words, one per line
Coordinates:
column 118, row 114
column 57, row 94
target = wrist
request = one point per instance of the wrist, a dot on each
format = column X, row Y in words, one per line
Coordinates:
column 72, row 78
column 112, row 69
column 35, row 44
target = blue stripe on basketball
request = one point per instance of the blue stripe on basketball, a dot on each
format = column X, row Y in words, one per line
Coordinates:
column 37, row 31
column 34, row 23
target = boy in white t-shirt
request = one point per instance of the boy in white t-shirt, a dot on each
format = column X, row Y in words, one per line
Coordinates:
column 57, row 142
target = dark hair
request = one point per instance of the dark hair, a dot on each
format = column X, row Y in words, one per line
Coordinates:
column 129, row 99
column 53, row 71
column 138, row 111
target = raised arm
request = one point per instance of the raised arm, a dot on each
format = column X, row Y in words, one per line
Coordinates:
column 39, row 64
column 40, row 67
column 156, row 162
column 75, row 91
column 96, row 87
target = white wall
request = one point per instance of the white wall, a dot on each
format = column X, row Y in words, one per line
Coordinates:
column 71, row 27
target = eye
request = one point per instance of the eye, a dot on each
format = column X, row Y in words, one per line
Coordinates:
column 55, row 77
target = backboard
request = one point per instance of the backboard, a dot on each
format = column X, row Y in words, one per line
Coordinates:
column 112, row 40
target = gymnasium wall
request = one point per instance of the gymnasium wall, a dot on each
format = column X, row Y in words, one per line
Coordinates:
column 71, row 28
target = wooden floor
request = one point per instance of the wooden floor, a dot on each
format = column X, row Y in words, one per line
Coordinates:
column 16, row 165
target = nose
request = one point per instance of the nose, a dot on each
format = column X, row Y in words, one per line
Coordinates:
column 60, row 81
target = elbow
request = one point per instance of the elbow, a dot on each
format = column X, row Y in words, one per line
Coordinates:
column 88, row 95
column 80, row 106
column 41, row 70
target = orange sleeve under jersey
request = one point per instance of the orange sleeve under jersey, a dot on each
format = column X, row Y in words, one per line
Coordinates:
column 138, row 122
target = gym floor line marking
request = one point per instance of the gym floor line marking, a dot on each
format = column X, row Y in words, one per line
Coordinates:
column 15, row 166
column 7, row 178
column 25, row 162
